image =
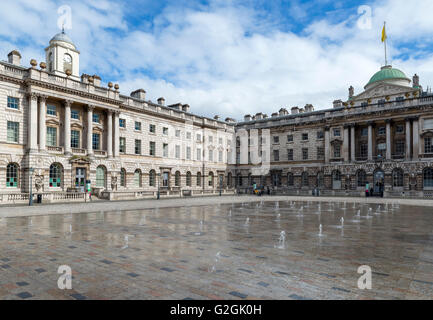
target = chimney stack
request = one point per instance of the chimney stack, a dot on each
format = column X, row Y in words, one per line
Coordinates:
column 14, row 57
column 295, row 110
column 139, row 94
column 185, row 108
column 351, row 92
column 309, row 108
column 338, row 103
column 247, row 118
column 283, row 112
column 161, row 101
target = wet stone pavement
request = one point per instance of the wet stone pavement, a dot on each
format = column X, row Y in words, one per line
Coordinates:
column 234, row 251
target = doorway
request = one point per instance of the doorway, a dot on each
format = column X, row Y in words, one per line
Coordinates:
column 80, row 178
column 378, row 181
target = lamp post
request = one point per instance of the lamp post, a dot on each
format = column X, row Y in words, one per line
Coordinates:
column 31, row 186
column 158, row 193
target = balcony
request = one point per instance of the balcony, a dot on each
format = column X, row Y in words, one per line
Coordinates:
column 100, row 153
column 53, row 149
column 400, row 156
column 426, row 155
column 361, row 158
column 79, row 151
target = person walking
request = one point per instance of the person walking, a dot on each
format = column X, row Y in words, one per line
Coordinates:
column 367, row 189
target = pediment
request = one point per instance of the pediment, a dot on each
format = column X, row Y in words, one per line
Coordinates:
column 382, row 90
column 82, row 160
column 427, row 133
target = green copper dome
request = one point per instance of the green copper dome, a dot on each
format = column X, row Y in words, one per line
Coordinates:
column 388, row 73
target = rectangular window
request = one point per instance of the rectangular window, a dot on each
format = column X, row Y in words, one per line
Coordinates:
column 220, row 156
column 137, row 125
column 96, row 141
column 188, row 135
column 320, row 135
column 122, row 123
column 363, row 150
column 198, row 154
column 198, row 137
column 75, row 139
column 305, row 136
column 399, row 129
column 165, row 150
column 337, row 151
column 177, row 152
column 290, row 138
column 152, row 128
column 13, row 103
column 210, row 155
column 305, row 153
column 13, row 131
column 152, row 148
column 137, row 146
column 381, row 103
column 122, row 144
column 276, row 155
column 210, row 139
column 220, row 141
column 51, row 110
column 337, row 132
column 381, row 131
column 290, row 154
column 96, row 118
column 75, row 115
column 177, row 133
column 51, row 137
column 165, row 131
column 320, row 153
column 276, row 139
column 428, row 146
column 400, row 147
column 188, row 153
column 364, row 132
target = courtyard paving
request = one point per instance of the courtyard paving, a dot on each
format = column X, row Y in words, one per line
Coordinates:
column 220, row 251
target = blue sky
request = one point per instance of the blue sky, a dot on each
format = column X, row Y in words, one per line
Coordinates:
column 231, row 57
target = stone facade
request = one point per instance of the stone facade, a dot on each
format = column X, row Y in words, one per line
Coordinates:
column 61, row 132
column 382, row 136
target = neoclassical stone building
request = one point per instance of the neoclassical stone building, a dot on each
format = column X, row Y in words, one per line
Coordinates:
column 60, row 129
column 383, row 136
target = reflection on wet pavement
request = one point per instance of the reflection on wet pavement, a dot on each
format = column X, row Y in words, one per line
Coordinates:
column 264, row 250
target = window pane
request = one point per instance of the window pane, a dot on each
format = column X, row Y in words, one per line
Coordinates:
column 12, row 131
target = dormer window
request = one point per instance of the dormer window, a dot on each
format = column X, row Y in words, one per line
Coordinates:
column 67, row 62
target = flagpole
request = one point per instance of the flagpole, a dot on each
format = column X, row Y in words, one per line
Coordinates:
column 386, row 60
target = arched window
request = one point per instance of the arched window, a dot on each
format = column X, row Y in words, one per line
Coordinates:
column 397, row 178
column 239, row 180
column 210, row 182
column 12, row 175
column 290, row 180
column 152, row 178
column 123, row 177
column 56, row 175
column 305, row 182
column 198, row 179
column 229, row 180
column 336, row 180
column 188, row 179
column 137, row 178
column 101, row 177
column 177, row 179
column 361, row 178
column 428, row 178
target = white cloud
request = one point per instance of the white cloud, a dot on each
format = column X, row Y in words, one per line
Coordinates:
column 228, row 59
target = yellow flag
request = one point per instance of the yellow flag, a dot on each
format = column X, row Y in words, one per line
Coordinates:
column 384, row 34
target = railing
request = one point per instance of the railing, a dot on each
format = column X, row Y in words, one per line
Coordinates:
column 398, row 156
column 55, row 149
column 47, row 197
column 359, row 158
column 79, row 151
column 426, row 155
column 100, row 153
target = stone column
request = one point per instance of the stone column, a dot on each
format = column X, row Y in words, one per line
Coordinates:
column 370, row 141
column 327, row 149
column 32, row 125
column 110, row 133
column 408, row 139
column 415, row 139
column 116, row 134
column 42, row 123
column 67, row 128
column 90, row 130
column 388, row 140
column 346, row 143
column 352, row 143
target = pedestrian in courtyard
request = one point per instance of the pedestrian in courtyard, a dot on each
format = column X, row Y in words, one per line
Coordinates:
column 367, row 189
